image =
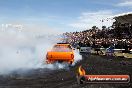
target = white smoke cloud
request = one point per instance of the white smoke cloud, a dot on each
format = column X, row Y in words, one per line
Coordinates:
column 27, row 48
column 77, row 56
column 24, row 48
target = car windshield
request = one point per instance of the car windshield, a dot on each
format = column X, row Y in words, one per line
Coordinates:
column 61, row 49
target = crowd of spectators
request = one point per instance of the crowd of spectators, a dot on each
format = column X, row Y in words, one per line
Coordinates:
column 117, row 37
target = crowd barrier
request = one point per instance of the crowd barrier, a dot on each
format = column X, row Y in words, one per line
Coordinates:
column 106, row 51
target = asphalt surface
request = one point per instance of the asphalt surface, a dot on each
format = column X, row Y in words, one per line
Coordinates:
column 66, row 78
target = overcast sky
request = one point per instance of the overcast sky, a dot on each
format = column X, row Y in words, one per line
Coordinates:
column 61, row 15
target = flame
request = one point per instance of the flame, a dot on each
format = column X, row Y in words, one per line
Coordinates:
column 81, row 71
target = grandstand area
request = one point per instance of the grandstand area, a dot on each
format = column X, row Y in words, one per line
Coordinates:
column 116, row 39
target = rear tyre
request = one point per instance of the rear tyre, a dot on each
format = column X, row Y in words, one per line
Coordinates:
column 60, row 61
column 70, row 64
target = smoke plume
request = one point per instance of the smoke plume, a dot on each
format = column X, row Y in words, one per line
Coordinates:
column 26, row 48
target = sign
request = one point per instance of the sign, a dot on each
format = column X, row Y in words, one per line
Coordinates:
column 103, row 79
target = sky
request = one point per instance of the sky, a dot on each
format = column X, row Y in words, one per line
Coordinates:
column 59, row 16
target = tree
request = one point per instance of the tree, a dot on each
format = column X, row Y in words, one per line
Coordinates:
column 94, row 28
column 103, row 27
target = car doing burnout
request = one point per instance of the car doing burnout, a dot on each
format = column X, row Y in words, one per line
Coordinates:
column 60, row 52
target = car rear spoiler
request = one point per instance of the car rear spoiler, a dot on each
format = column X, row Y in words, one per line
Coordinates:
column 62, row 43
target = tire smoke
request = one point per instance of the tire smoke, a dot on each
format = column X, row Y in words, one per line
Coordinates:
column 26, row 50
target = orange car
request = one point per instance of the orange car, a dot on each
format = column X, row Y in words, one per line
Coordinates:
column 61, row 52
